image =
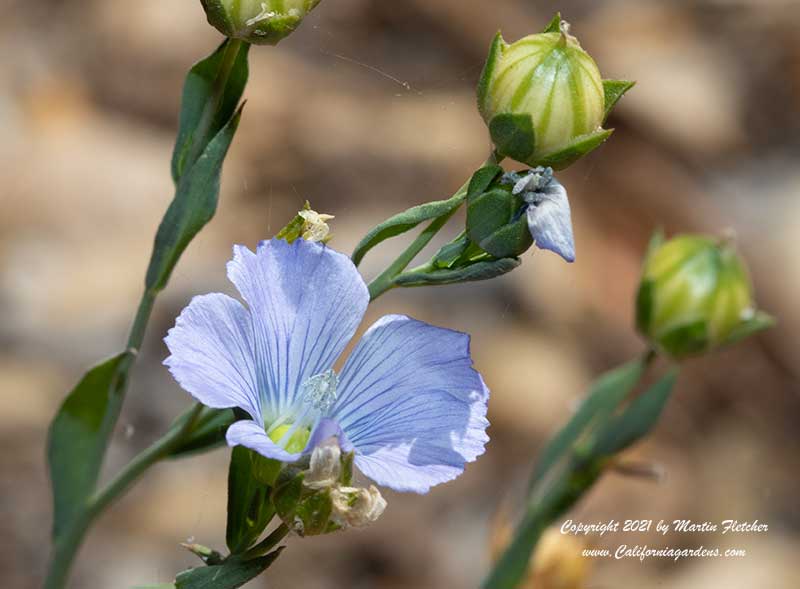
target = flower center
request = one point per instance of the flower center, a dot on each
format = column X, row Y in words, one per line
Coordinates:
column 296, row 439
column 292, row 430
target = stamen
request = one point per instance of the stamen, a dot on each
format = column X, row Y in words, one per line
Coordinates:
column 319, row 391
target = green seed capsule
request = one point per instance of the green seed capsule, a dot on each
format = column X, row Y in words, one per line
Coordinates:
column 696, row 295
column 260, row 23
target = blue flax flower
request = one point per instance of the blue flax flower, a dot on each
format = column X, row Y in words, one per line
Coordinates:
column 407, row 400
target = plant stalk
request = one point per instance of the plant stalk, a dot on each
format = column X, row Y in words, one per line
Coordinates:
column 385, row 280
column 66, row 546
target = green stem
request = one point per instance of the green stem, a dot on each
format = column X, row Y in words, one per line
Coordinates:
column 67, row 545
column 136, row 336
column 144, row 460
column 385, row 280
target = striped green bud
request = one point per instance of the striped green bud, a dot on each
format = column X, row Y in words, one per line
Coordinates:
column 695, row 295
column 260, row 23
column 544, row 99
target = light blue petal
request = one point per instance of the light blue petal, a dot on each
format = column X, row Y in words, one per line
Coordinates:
column 252, row 435
column 550, row 222
column 411, row 404
column 306, row 301
column 325, row 429
column 211, row 349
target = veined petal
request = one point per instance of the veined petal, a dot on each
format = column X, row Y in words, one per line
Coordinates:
column 211, row 349
column 306, row 301
column 411, row 404
column 550, row 222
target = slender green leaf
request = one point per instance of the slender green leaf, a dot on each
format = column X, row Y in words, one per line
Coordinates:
column 614, row 90
column 636, row 420
column 78, row 438
column 207, row 435
column 405, row 221
column 603, row 399
column 249, row 507
column 197, row 102
column 473, row 272
column 228, row 575
column 194, row 205
column 575, row 459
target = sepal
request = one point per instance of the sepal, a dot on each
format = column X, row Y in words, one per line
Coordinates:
column 613, row 90
column 579, row 147
column 514, row 136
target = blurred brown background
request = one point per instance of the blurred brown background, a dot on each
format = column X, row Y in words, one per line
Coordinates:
column 368, row 109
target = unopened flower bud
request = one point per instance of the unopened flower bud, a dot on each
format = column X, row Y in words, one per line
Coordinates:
column 544, row 99
column 355, row 506
column 695, row 295
column 260, row 23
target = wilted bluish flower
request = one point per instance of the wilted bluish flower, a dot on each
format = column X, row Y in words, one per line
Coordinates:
column 548, row 213
column 407, row 401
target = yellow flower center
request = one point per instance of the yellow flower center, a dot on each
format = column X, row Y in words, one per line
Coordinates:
column 295, row 443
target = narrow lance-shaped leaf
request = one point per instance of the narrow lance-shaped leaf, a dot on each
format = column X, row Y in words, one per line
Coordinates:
column 579, row 467
column 231, row 574
column 636, row 420
column 194, row 205
column 405, row 221
column 605, row 396
column 198, row 101
column 78, row 438
column 208, row 434
column 470, row 273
